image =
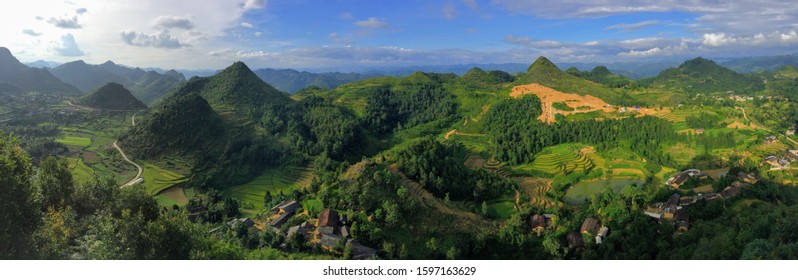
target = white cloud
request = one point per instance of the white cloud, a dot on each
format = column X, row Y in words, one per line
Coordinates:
column 629, row 27
column 176, row 22
column 247, row 25
column 372, row 23
column 158, row 40
column 81, row 11
column 679, row 49
column 30, row 32
column 718, row 39
column 66, row 46
column 258, row 34
column 254, row 4
column 65, row 22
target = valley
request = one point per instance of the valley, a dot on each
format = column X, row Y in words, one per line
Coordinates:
column 428, row 166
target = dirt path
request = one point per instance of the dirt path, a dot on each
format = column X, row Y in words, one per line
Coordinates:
column 454, row 132
column 124, row 156
column 754, row 125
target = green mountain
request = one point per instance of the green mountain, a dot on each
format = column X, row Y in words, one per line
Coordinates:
column 147, row 86
column 602, row 75
column 236, row 91
column 214, row 124
column 16, row 77
column 152, row 86
column 700, row 75
column 544, row 72
column 180, row 125
column 112, row 96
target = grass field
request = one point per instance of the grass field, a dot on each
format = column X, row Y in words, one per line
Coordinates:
column 501, row 208
column 82, row 142
column 157, row 179
column 275, row 181
column 584, row 190
column 80, row 171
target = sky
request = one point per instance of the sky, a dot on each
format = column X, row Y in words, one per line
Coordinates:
column 305, row 34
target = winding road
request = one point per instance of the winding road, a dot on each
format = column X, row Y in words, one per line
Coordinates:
column 765, row 129
column 139, row 169
column 124, row 156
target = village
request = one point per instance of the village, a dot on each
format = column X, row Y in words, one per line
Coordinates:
column 330, row 231
column 674, row 210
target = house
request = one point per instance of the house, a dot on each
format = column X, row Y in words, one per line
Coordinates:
column 682, row 219
column 699, row 131
column 792, row 155
column 784, row 163
column 360, row 252
column 678, row 180
column 286, row 207
column 770, row 140
column 749, row 178
column 791, row 131
column 538, row 223
column 773, row 161
column 653, row 214
column 346, row 232
column 730, row 191
column 327, row 218
column 673, row 201
column 575, row 240
column 280, row 220
column 247, row 222
column 302, row 229
column 329, row 241
column 602, row 233
column 589, row 226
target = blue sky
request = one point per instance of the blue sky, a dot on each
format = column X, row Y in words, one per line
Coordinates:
column 308, row 34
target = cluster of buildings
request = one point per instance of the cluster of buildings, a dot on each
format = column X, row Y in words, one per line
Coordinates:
column 675, row 209
column 680, row 178
column 784, row 162
column 329, row 231
column 590, row 227
column 791, row 131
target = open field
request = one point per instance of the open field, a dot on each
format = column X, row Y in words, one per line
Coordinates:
column 275, row 181
column 82, row 142
column 157, row 179
column 584, row 190
column 501, row 208
column 174, row 195
column 80, row 171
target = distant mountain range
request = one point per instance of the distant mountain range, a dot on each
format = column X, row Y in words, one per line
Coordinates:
column 16, row 77
column 147, row 86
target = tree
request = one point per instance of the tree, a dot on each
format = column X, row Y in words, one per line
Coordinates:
column 19, row 208
column 55, row 182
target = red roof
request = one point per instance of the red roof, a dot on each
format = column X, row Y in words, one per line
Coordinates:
column 328, row 218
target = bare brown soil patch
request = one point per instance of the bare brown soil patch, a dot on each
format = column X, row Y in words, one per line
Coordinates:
column 549, row 96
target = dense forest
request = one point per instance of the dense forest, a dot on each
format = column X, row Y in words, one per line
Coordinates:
column 518, row 135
